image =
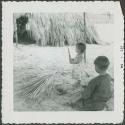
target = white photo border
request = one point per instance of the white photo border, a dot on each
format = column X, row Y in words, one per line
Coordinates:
column 8, row 114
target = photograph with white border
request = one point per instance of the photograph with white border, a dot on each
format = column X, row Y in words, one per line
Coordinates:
column 62, row 62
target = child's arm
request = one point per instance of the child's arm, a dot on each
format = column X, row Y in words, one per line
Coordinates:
column 88, row 90
column 70, row 59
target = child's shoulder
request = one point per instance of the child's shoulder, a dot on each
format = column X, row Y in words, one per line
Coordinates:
column 106, row 76
column 103, row 78
column 96, row 79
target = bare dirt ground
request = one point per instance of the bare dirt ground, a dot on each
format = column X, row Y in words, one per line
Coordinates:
column 31, row 60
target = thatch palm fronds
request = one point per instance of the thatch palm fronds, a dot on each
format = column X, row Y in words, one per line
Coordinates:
column 55, row 84
column 42, row 85
column 33, row 90
column 59, row 29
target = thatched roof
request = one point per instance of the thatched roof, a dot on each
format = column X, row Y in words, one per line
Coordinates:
column 59, row 29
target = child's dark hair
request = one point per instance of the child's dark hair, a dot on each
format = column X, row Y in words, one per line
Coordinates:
column 81, row 47
column 102, row 62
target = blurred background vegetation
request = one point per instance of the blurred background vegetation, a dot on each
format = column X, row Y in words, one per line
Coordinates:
column 58, row 29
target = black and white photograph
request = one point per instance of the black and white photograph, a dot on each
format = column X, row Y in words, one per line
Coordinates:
column 62, row 58
column 54, row 56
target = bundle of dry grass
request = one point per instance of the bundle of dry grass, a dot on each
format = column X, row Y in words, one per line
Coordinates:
column 60, row 29
column 52, row 85
column 33, row 90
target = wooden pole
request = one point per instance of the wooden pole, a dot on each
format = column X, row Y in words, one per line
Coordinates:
column 85, row 34
column 16, row 38
column 16, row 35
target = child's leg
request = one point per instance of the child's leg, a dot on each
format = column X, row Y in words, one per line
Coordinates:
column 75, row 94
column 78, row 105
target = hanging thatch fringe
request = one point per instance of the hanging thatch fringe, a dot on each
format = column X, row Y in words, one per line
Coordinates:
column 60, row 29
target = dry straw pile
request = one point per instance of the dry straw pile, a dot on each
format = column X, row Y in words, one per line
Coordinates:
column 59, row 29
column 52, row 84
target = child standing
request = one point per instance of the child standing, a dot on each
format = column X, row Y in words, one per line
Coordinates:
column 98, row 91
column 79, row 65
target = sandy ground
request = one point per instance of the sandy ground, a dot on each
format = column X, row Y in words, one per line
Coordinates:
column 31, row 60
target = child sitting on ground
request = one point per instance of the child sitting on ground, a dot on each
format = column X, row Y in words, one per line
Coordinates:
column 98, row 91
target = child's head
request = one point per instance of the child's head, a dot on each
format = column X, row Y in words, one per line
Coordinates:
column 80, row 48
column 101, row 64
